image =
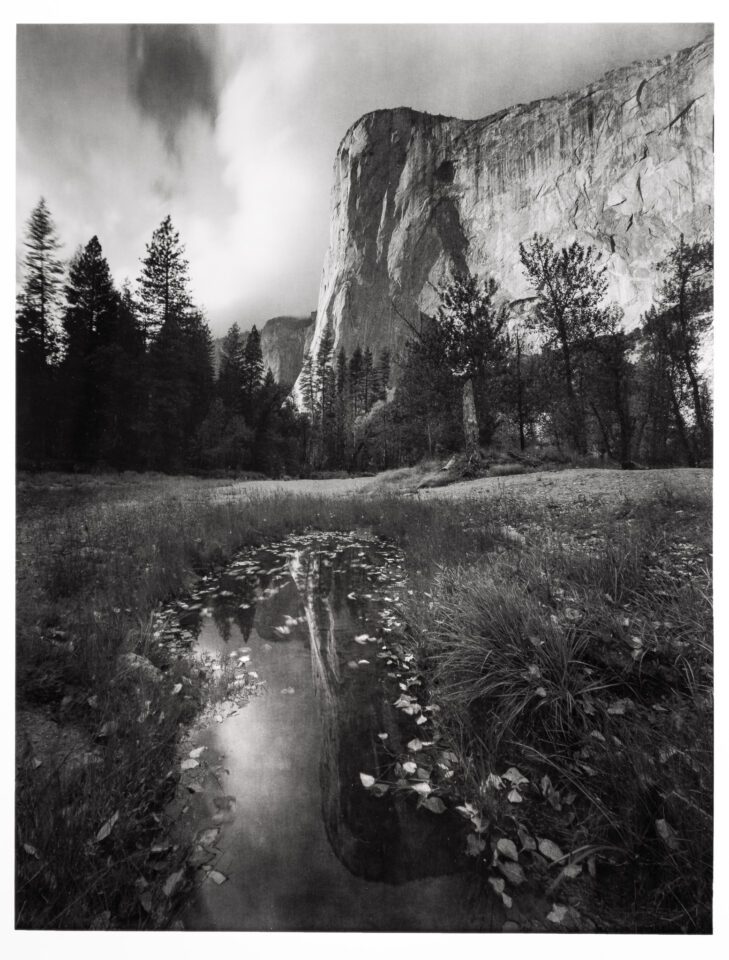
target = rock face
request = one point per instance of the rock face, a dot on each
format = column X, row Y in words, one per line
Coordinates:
column 625, row 164
column 284, row 341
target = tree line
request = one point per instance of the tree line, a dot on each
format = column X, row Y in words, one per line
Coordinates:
column 125, row 378
column 561, row 375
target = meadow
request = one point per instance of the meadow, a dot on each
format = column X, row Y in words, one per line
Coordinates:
column 562, row 625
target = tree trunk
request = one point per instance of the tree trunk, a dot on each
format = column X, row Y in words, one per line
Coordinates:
column 470, row 421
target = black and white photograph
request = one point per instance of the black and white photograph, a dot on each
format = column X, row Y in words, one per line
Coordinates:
column 363, row 460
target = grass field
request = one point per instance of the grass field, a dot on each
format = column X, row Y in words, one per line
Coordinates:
column 562, row 623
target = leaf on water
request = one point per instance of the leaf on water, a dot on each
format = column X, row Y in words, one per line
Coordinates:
column 207, row 837
column 514, row 776
column 31, row 850
column 176, row 689
column 363, row 662
column 415, row 745
column 474, row 845
column 572, row 870
column 498, row 884
column 362, row 638
column 189, row 764
column 410, row 767
column 288, row 690
column 367, row 780
column 421, row 719
column 422, row 788
column 434, row 804
column 217, row 877
column 217, row 718
column 507, row 848
column 380, row 789
column 557, row 913
column 512, row 871
column 383, row 736
column 107, row 827
column 172, row 882
column 550, row 850
column 352, row 664
column 197, row 752
column 514, row 796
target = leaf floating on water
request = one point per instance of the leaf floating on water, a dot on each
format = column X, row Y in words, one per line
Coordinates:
column 550, row 850
column 367, row 780
column 383, row 736
column 410, row 767
column 189, row 764
column 415, row 745
column 31, row 850
column 217, row 877
column 363, row 662
column 514, row 796
column 434, row 804
column 498, row 884
column 512, row 871
column 474, row 845
column 557, row 913
column 283, row 631
column 666, row 832
column 207, row 837
column 176, row 689
column 380, row 789
column 422, row 788
column 507, row 848
column 421, row 720
column 288, row 690
column 107, row 827
column 217, row 718
column 172, row 882
column 196, row 752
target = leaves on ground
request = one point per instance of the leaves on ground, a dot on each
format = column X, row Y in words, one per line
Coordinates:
column 107, row 827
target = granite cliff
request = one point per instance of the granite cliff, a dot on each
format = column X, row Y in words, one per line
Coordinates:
column 284, row 341
column 625, row 164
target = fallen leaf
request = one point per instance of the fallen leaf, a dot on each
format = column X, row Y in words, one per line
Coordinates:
column 410, row 767
column 507, row 848
column 474, row 845
column 197, row 752
column 172, row 882
column 107, row 827
column 189, row 764
column 514, row 776
column 434, row 804
column 550, row 850
column 557, row 913
column 415, row 745
column 514, row 796
column 422, row 788
column 512, row 871
column 367, row 780
column 176, row 689
column 383, row 736
column 217, row 877
column 498, row 884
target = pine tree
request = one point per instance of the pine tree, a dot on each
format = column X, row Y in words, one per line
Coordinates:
column 92, row 304
column 232, row 370
column 36, row 335
column 163, row 282
column 383, row 374
column 356, row 364
column 252, row 372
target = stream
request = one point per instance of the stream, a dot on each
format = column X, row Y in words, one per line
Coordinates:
column 316, row 692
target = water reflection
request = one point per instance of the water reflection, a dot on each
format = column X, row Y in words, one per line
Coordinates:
column 309, row 848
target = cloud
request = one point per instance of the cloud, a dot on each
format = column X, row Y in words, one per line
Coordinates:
column 172, row 75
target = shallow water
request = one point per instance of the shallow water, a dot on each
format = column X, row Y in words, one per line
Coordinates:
column 298, row 842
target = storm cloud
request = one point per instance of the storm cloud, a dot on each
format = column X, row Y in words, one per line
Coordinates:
column 172, row 75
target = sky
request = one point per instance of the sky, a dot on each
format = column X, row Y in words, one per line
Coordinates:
column 233, row 130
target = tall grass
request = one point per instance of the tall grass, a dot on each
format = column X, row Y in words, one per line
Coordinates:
column 519, row 616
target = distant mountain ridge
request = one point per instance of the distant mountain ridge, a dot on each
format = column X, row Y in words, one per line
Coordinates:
column 284, row 342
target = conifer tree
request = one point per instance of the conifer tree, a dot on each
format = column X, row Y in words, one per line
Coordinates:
column 36, row 335
column 232, row 368
column 163, row 282
column 252, row 372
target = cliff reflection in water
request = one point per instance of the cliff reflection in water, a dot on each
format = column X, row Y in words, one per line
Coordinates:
column 385, row 839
